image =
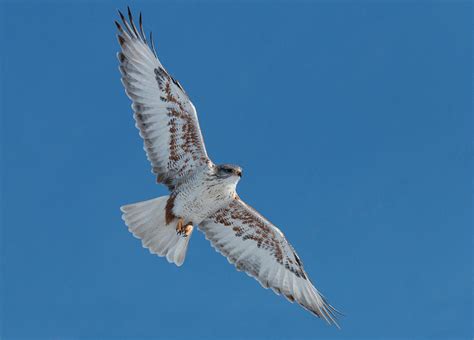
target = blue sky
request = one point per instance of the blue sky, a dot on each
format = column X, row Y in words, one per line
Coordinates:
column 352, row 121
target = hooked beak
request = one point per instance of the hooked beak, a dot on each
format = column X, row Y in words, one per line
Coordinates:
column 239, row 172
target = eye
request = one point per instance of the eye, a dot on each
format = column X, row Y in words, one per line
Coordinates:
column 228, row 170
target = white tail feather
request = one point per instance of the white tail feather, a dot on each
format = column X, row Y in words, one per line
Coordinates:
column 146, row 221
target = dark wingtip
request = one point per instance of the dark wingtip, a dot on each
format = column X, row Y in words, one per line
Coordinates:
column 140, row 24
column 132, row 23
column 125, row 24
column 121, row 57
column 121, row 40
column 121, row 15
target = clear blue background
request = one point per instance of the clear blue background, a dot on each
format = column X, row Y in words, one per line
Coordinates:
column 352, row 121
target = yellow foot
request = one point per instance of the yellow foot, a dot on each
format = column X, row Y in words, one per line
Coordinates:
column 184, row 229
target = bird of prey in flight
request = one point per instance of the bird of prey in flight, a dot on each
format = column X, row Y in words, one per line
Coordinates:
column 202, row 193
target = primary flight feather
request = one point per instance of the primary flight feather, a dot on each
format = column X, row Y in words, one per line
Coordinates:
column 202, row 193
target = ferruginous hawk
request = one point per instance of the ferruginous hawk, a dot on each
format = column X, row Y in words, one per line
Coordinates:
column 202, row 193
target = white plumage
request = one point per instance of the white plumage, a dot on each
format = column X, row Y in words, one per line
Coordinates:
column 202, row 194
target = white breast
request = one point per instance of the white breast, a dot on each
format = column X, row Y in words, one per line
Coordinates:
column 202, row 196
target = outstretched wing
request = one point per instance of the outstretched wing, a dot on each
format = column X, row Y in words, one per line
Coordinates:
column 256, row 246
column 164, row 114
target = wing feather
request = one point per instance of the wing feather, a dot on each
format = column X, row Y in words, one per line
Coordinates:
column 256, row 246
column 165, row 116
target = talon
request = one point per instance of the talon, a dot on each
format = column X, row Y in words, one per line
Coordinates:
column 188, row 229
column 183, row 229
column 179, row 226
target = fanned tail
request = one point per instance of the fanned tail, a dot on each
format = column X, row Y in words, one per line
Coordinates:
column 147, row 221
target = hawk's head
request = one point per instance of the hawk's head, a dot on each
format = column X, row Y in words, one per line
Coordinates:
column 229, row 171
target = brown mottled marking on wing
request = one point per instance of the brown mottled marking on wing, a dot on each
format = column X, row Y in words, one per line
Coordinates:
column 163, row 112
column 256, row 246
column 253, row 227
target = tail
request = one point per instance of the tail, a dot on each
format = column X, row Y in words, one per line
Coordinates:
column 146, row 221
